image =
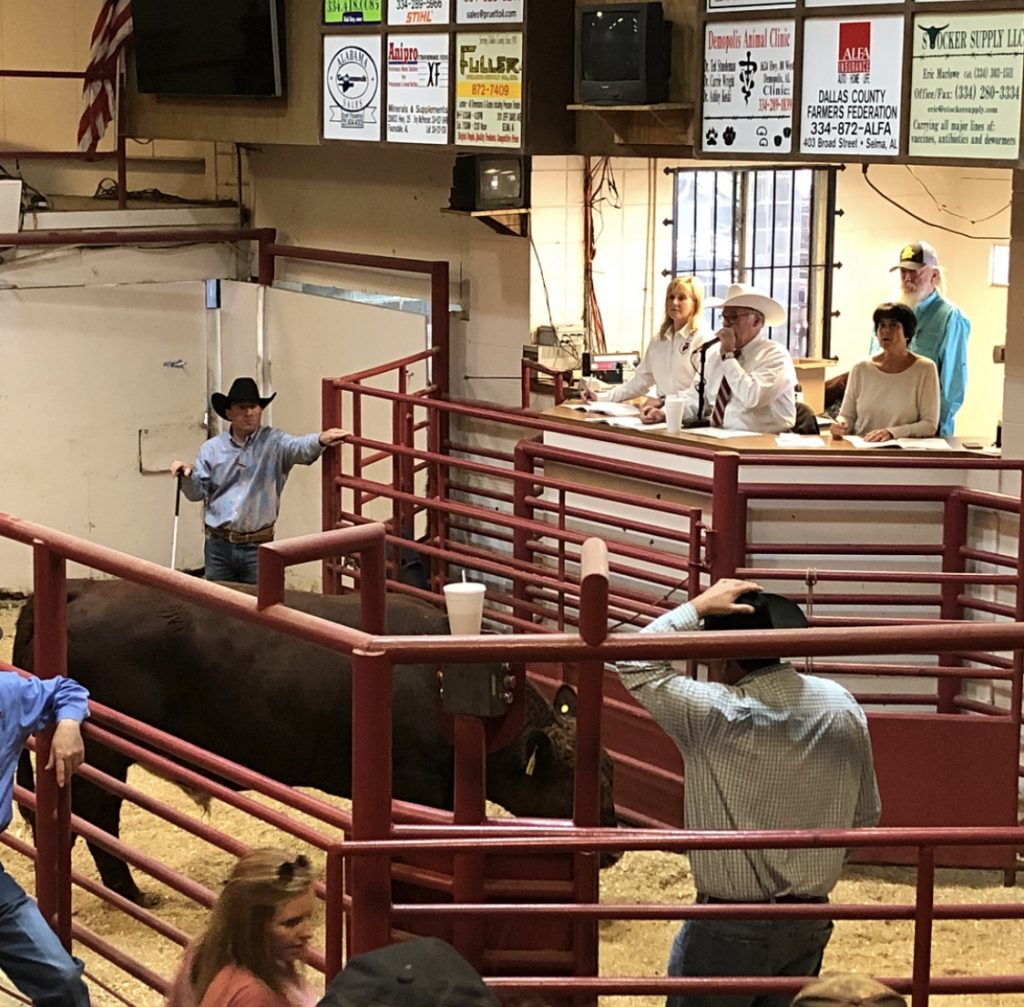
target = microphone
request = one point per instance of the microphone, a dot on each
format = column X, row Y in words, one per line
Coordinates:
column 699, row 420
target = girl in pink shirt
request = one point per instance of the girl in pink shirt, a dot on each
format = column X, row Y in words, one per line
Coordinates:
column 250, row 953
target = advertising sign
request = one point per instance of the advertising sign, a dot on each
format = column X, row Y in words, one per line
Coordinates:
column 480, row 11
column 417, row 88
column 748, row 87
column 489, row 89
column 719, row 5
column 418, row 12
column 966, row 76
column 852, row 86
column 352, row 11
column 351, row 87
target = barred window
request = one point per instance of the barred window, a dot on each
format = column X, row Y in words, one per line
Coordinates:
column 773, row 228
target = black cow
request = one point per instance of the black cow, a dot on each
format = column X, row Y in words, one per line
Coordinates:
column 280, row 706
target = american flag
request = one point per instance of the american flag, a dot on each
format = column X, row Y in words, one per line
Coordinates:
column 106, row 60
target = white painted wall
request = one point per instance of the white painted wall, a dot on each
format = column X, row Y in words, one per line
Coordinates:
column 371, row 200
column 309, row 338
column 84, row 385
column 92, row 413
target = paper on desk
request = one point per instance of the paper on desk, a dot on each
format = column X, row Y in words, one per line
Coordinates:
column 627, row 422
column 799, row 441
column 910, row 443
column 718, row 433
column 606, row 408
column 925, row 443
column 859, row 442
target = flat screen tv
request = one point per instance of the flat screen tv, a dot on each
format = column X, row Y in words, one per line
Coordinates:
column 623, row 54
column 490, row 182
column 216, row 48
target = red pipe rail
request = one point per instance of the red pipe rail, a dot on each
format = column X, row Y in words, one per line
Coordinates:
column 372, row 911
column 923, row 912
column 53, row 549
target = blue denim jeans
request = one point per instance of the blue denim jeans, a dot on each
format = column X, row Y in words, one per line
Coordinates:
column 225, row 561
column 32, row 956
column 746, row 948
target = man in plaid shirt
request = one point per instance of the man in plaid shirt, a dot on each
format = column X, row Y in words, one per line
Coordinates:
column 764, row 747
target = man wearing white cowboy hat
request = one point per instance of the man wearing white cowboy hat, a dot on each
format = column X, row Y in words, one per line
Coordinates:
column 750, row 382
column 240, row 474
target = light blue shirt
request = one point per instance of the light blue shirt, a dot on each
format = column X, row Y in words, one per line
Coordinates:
column 28, row 705
column 241, row 485
column 941, row 336
column 776, row 750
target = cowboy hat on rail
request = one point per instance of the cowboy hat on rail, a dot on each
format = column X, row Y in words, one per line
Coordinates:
column 743, row 295
column 241, row 390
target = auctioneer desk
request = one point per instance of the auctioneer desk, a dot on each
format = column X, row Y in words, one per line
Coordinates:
column 861, row 537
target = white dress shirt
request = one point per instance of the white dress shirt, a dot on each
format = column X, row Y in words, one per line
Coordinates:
column 763, row 382
column 669, row 364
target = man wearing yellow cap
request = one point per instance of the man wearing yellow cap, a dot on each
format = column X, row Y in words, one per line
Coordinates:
column 942, row 328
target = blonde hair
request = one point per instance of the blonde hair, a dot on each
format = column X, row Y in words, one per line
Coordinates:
column 237, row 934
column 694, row 289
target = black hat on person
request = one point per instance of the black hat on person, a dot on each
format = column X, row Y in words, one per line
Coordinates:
column 422, row 972
column 771, row 611
column 241, row 390
column 917, row 255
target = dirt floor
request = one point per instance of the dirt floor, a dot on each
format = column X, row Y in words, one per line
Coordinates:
column 628, row 948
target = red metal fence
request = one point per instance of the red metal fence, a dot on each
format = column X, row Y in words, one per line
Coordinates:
column 377, row 835
column 506, row 498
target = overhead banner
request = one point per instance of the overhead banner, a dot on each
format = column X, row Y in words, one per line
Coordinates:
column 351, row 87
column 966, row 75
column 851, row 86
column 748, row 87
column 418, row 12
column 352, row 11
column 418, row 88
column 489, row 89
column 480, row 11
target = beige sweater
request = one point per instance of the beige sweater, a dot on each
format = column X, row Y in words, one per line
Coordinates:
column 905, row 404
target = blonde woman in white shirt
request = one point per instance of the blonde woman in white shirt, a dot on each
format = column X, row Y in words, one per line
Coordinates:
column 670, row 360
column 894, row 394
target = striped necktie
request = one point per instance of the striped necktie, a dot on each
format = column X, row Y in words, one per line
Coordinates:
column 721, row 401
column 724, row 394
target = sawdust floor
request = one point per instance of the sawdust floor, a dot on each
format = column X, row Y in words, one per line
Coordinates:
column 627, row 948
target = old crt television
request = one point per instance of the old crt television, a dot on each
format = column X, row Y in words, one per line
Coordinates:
column 209, row 48
column 623, row 53
column 490, row 182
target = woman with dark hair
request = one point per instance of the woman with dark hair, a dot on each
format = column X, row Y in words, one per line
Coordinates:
column 254, row 944
column 668, row 362
column 894, row 394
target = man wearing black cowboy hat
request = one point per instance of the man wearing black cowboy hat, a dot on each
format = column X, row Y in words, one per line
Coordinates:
column 240, row 474
column 764, row 747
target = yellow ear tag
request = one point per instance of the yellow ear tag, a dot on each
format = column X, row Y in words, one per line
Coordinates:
column 532, row 764
column 564, row 709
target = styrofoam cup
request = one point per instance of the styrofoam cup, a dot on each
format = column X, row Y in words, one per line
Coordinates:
column 673, row 415
column 465, row 603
